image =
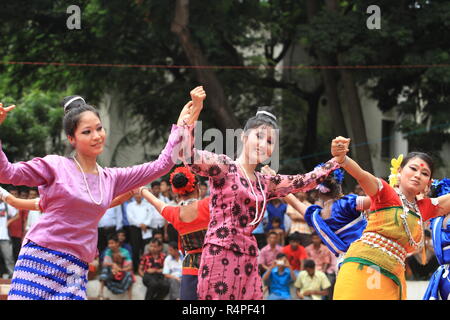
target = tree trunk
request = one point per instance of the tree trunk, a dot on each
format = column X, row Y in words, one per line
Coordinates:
column 330, row 81
column 359, row 140
column 215, row 94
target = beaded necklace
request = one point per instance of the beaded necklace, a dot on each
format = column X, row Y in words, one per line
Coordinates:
column 257, row 218
column 412, row 205
column 87, row 186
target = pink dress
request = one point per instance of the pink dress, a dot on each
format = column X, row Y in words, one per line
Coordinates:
column 228, row 267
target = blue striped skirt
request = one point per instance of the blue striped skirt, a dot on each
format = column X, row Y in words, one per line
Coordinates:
column 44, row 274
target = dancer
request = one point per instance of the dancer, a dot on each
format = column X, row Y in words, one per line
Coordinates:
column 374, row 265
column 228, row 267
column 439, row 286
column 190, row 219
column 75, row 192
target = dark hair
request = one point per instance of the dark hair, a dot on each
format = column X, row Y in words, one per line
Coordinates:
column 280, row 255
column 314, row 234
column 295, row 237
column 113, row 237
column 309, row 264
column 155, row 183
column 335, row 188
column 276, row 219
column 179, row 180
column 421, row 155
column 173, row 244
column 202, row 183
column 121, row 231
column 159, row 243
column 271, row 233
column 73, row 111
column 267, row 118
column 157, row 232
column 427, row 233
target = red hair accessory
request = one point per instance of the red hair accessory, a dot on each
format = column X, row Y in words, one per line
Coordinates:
column 190, row 185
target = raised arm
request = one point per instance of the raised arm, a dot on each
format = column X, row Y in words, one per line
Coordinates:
column 26, row 204
column 154, row 201
column 366, row 180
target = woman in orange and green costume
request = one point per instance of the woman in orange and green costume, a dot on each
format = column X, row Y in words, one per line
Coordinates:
column 374, row 266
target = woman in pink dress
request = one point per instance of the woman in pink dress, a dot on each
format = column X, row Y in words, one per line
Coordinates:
column 228, row 267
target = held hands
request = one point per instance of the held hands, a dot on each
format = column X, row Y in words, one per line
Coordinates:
column 4, row 112
column 339, row 148
column 192, row 109
column 268, row 171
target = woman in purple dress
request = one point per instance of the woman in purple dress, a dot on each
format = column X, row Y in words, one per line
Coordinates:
column 75, row 193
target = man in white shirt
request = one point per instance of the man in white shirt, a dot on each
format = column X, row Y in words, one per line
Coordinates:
column 140, row 217
column 5, row 243
column 110, row 222
column 33, row 215
column 173, row 267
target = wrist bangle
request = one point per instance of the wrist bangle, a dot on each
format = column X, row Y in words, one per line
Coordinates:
column 141, row 189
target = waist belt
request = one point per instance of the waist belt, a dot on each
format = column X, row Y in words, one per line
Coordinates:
column 386, row 245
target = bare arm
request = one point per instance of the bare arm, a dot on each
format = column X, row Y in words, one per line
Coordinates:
column 158, row 204
column 299, row 206
column 122, row 198
column 366, row 180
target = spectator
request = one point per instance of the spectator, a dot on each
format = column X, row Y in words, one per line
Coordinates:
column 173, row 266
column 415, row 270
column 117, row 269
column 276, row 208
column 139, row 217
column 33, row 215
column 122, row 236
column 157, row 222
column 150, row 269
column 107, row 227
column 295, row 252
column 319, row 253
column 311, row 284
column 298, row 223
column 5, row 243
column 165, row 196
column 276, row 222
column 269, row 253
column 259, row 231
column 204, row 192
column 17, row 223
column 278, row 278
column 156, row 188
column 159, row 235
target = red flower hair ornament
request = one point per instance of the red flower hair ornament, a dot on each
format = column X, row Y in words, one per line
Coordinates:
column 191, row 181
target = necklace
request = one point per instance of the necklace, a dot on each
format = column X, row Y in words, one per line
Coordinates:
column 188, row 201
column 412, row 205
column 258, row 215
column 87, row 186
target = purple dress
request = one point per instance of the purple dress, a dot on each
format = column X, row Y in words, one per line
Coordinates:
column 63, row 242
column 228, row 267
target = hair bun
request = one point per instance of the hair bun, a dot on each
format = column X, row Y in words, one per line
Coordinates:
column 179, row 180
column 72, row 102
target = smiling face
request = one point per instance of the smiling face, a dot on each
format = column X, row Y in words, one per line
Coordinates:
column 415, row 176
column 259, row 144
column 90, row 136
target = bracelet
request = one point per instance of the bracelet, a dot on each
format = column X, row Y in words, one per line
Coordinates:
column 142, row 189
column 36, row 204
column 342, row 164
